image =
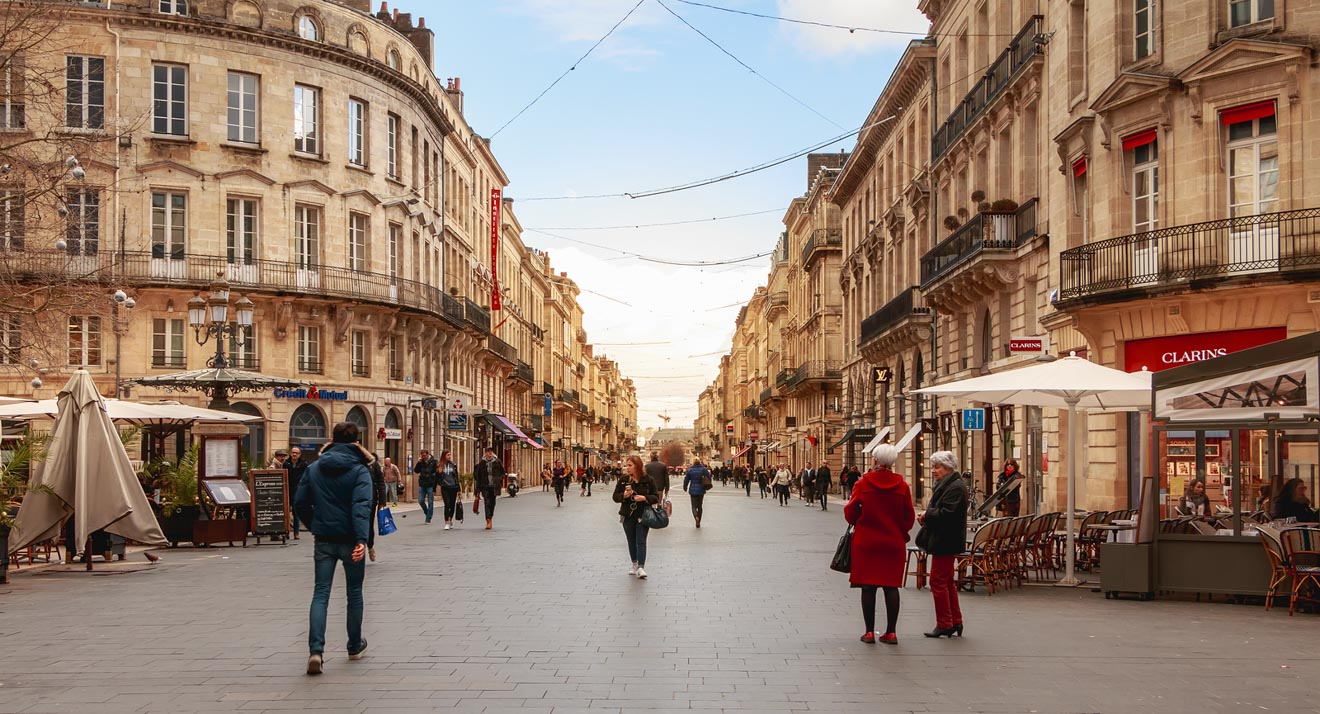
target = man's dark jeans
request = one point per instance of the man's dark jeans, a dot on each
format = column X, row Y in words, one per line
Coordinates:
column 488, row 500
column 426, row 498
column 328, row 555
column 823, row 493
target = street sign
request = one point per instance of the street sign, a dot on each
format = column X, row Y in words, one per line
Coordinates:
column 728, row 428
column 754, row 435
column 973, row 419
column 1026, row 344
column 549, row 406
column 429, row 403
column 457, row 403
column 458, row 421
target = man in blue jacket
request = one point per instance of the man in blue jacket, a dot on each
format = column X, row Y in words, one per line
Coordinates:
column 334, row 499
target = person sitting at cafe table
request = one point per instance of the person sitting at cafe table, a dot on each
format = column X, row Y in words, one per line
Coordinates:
column 1195, row 502
column 1293, row 503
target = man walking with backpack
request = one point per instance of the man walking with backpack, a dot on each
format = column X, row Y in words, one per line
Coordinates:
column 334, row 499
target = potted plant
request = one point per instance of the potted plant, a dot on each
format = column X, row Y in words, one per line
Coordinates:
column 13, row 482
column 951, row 223
column 178, row 486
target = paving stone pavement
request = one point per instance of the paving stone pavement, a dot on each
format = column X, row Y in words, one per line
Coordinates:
column 539, row 616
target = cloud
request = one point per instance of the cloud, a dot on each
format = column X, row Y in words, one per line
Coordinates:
column 585, row 21
column 900, row 15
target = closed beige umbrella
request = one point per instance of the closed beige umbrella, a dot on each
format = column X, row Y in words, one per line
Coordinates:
column 87, row 473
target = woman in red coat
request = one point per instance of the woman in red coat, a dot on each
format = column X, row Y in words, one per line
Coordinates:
column 882, row 516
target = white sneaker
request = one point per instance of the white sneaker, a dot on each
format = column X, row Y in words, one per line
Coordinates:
column 633, row 569
column 447, row 526
column 641, row 573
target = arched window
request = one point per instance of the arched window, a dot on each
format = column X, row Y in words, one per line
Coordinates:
column 987, row 347
column 307, row 425
column 393, row 59
column 254, row 444
column 358, row 416
column 394, row 447
column 308, row 29
column 357, row 42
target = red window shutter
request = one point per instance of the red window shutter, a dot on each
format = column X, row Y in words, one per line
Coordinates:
column 1139, row 139
column 1247, row 112
column 1079, row 167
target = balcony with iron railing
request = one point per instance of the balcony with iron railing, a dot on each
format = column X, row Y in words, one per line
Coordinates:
column 990, row 235
column 821, row 239
column 892, row 322
column 767, row 394
column 141, row 269
column 169, row 361
column 245, row 362
column 476, row 315
column 502, row 349
column 309, row 365
column 396, row 372
column 524, row 372
column 778, row 302
column 816, row 371
column 547, row 388
column 1003, row 72
column 1281, row 245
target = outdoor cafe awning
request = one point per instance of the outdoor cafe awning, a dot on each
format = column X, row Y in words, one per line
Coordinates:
column 859, row 433
column 742, row 451
column 508, row 428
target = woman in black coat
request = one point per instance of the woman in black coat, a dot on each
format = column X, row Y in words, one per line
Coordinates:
column 635, row 492
column 1293, row 503
column 944, row 535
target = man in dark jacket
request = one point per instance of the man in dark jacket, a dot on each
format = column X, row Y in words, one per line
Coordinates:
column 824, row 479
column 334, row 499
column 658, row 473
column 487, row 476
column 427, row 478
column 295, row 467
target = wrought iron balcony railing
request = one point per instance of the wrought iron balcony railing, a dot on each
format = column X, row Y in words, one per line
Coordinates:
column 307, row 365
column 821, row 239
column 523, row 371
column 502, row 349
column 816, row 370
column 989, row 231
column 169, row 361
column 361, row 370
column 766, row 394
column 1287, row 242
column 476, row 315
column 905, row 305
column 998, row 78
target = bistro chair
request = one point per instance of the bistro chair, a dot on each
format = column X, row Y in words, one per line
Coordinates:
column 1269, row 538
column 1085, row 540
column 1301, row 559
column 976, row 564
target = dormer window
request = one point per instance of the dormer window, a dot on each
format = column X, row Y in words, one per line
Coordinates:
column 308, row 29
column 174, row 7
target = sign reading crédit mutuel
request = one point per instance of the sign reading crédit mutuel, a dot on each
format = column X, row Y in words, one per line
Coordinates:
column 312, row 393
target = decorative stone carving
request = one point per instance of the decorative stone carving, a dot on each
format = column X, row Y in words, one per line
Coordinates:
column 283, row 317
column 343, row 321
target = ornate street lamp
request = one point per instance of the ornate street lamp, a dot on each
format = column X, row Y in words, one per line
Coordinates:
column 209, row 319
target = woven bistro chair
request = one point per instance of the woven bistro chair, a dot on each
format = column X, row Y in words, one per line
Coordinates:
column 1269, row 538
column 1301, row 558
column 975, row 565
column 1087, row 545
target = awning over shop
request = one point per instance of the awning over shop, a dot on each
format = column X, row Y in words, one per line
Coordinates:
column 861, row 433
column 508, row 428
column 740, row 453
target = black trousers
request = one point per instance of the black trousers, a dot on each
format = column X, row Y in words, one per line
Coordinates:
column 450, row 497
column 784, row 494
column 696, row 504
column 559, row 493
column 488, row 500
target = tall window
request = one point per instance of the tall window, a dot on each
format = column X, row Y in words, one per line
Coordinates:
column 393, row 60
column 392, row 146
column 11, row 338
column 169, row 214
column 243, row 354
column 174, row 7
column 306, row 118
column 308, row 29
column 169, row 99
column 84, row 341
column 412, row 148
column 241, row 230
column 396, row 357
column 84, row 92
column 244, row 89
column 13, row 218
column 13, row 113
column 1143, row 28
column 167, row 343
column 1253, row 167
column 357, row 132
column 1145, row 187
column 396, row 233
column 309, row 349
column 357, row 241
column 360, row 350
column 83, row 222
column 1245, row 12
column 306, row 236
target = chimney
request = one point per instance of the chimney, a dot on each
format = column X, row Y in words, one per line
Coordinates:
column 816, row 162
column 384, row 14
column 455, row 93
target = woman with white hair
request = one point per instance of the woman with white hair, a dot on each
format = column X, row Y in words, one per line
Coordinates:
column 881, row 514
column 944, row 535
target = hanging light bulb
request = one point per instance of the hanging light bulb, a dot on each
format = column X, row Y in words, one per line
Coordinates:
column 71, row 162
column 36, row 382
column 79, row 173
column 61, row 244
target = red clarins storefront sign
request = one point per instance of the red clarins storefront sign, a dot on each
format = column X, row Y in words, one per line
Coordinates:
column 1160, row 353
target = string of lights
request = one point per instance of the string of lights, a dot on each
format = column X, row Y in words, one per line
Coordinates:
column 669, row 223
column 653, row 259
column 833, row 26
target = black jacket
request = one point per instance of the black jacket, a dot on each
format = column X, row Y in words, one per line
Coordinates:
column 1014, row 496
column 488, row 474
column 630, row 508
column 945, row 529
column 334, row 499
column 824, row 479
column 377, row 483
column 659, row 475
column 296, row 470
column 426, row 473
column 1293, row 509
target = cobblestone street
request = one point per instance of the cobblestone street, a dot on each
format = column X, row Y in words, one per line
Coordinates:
column 539, row 615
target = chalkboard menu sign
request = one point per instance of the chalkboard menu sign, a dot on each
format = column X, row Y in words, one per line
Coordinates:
column 270, row 502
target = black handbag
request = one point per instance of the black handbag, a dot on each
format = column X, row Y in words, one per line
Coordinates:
column 842, row 561
column 923, row 539
column 458, row 508
column 653, row 517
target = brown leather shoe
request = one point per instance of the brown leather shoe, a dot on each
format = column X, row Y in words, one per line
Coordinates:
column 487, row 524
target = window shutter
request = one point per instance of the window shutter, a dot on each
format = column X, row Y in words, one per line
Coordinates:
column 1247, row 112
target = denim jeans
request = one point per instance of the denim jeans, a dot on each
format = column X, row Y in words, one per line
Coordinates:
column 426, row 497
column 636, row 534
column 328, row 555
column 392, row 492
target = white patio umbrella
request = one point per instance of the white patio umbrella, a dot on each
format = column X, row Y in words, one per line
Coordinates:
column 1070, row 383
column 86, row 472
column 164, row 413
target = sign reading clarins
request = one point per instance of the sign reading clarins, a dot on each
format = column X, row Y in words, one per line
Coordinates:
column 1160, row 353
column 312, row 393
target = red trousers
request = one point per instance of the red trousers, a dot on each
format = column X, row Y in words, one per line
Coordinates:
column 945, row 591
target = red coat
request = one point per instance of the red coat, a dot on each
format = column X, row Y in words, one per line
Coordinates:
column 882, row 515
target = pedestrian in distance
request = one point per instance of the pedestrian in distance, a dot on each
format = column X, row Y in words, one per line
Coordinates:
column 763, row 481
column 881, row 514
column 845, row 485
column 295, row 468
column 559, row 479
column 696, row 482
column 488, row 476
column 659, row 475
column 450, row 486
column 1011, row 504
column 807, row 480
column 392, row 485
column 377, row 500
column 944, row 535
column 824, row 479
column 582, row 481
column 334, row 499
column 783, row 484
column 633, row 493
column 277, row 461
column 741, row 475
column 427, row 478
column 545, row 477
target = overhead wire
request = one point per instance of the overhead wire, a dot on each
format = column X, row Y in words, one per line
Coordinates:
column 570, row 69
column 653, row 259
column 849, row 28
column 746, row 66
column 669, row 223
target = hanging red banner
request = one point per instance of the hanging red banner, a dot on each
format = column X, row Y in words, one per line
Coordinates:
column 495, row 201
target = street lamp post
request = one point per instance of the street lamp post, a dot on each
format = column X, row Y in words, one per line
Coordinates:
column 119, row 324
column 209, row 319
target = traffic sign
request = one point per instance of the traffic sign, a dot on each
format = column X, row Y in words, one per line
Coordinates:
column 754, row 435
column 973, row 420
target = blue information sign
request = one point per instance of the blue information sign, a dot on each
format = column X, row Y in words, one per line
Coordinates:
column 549, row 407
column 973, row 420
column 458, row 421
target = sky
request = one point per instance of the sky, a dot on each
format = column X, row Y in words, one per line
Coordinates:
column 656, row 105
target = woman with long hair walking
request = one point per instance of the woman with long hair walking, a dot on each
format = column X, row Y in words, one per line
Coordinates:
column 558, row 479
column 944, row 535
column 881, row 513
column 782, row 485
column 447, row 471
column 695, row 482
column 633, row 493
